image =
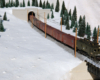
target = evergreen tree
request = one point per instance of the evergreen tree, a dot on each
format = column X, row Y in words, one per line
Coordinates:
column 5, row 17
column 57, row 6
column 36, row 3
column 47, row 3
column 65, row 14
column 52, row 15
column 48, row 16
column 28, row 4
column 3, row 3
column 95, row 35
column 81, row 30
column 23, row 3
column 89, row 32
column 43, row 5
column 70, row 14
column 16, row 3
column 80, row 19
column 40, row 5
column 63, row 9
column 9, row 3
column 67, row 26
column 72, row 22
column 87, row 28
column 1, row 27
column 12, row 3
column 33, row 2
column 74, row 30
column 52, row 6
column 75, row 13
column 66, row 20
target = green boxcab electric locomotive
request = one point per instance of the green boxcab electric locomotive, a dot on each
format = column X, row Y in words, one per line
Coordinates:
column 91, row 49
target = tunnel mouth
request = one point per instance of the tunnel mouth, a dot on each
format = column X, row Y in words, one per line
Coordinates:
column 30, row 13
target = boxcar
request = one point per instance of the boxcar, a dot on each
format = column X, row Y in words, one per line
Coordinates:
column 69, row 40
column 42, row 26
column 49, row 30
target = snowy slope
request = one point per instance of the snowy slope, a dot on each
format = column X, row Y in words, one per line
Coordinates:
column 89, row 8
column 26, row 55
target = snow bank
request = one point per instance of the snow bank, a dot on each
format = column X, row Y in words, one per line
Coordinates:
column 26, row 54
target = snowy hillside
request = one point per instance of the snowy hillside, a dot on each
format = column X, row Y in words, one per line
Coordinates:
column 26, row 55
column 89, row 8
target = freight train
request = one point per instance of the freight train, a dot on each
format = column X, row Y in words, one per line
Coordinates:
column 84, row 46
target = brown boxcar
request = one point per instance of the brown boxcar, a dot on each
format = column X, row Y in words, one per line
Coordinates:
column 57, row 34
column 42, row 26
column 49, row 30
column 69, row 40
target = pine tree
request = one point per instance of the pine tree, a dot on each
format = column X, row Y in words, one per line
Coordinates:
column 65, row 14
column 48, row 16
column 65, row 21
column 75, row 13
column 52, row 15
column 43, row 5
column 12, row 3
column 5, row 17
column 81, row 30
column 47, row 4
column 74, row 30
column 3, row 3
column 1, row 27
column 87, row 28
column 72, row 22
column 57, row 6
column 67, row 26
column 40, row 5
column 52, row 6
column 23, row 3
column 89, row 32
column 95, row 35
column 9, row 3
column 36, row 3
column 16, row 3
column 70, row 14
column 80, row 19
column 63, row 9
column 28, row 4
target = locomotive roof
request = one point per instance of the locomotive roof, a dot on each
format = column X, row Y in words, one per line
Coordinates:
column 90, row 43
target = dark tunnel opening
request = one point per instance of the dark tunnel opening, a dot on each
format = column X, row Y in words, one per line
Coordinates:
column 29, row 14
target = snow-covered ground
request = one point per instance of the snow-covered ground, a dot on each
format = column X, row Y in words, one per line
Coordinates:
column 27, row 55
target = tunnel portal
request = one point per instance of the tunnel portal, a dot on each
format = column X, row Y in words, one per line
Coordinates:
column 29, row 14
